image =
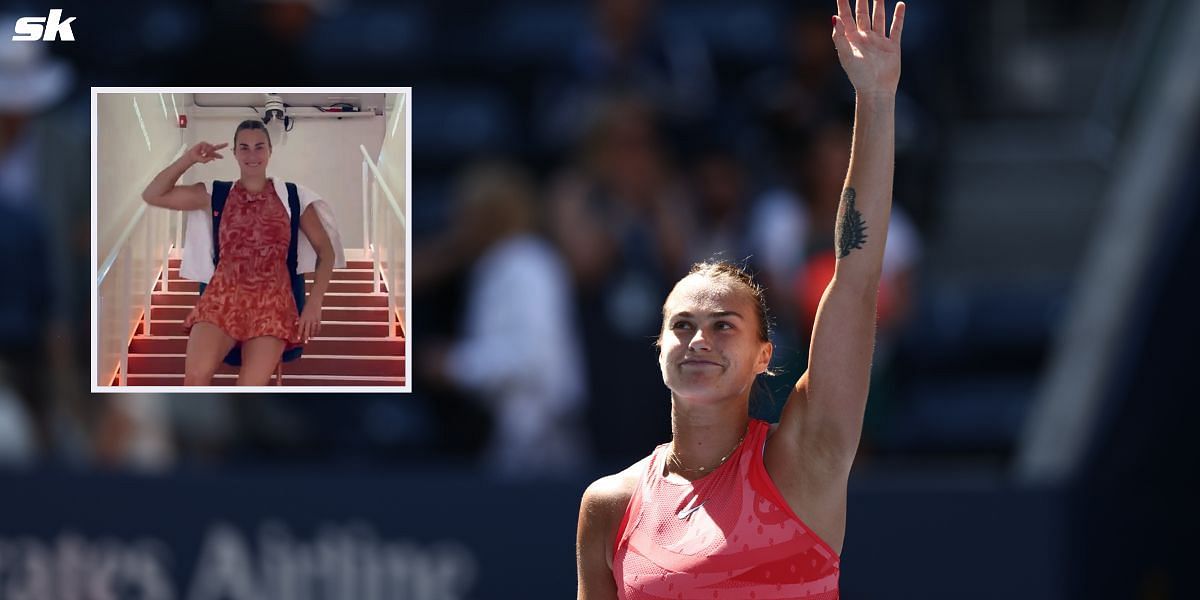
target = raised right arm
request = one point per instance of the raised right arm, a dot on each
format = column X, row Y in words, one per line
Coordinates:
column 162, row 191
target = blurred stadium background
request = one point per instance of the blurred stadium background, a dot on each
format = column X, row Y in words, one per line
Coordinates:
column 1028, row 427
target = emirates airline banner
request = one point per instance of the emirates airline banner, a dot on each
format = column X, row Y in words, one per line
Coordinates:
column 284, row 537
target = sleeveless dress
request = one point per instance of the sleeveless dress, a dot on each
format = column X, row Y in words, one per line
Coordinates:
column 250, row 293
column 729, row 534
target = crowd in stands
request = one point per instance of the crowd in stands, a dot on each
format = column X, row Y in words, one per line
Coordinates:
column 570, row 161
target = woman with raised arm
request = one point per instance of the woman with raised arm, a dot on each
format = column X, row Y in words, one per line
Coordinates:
column 733, row 506
column 249, row 298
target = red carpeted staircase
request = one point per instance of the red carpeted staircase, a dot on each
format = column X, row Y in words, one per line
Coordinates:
column 353, row 348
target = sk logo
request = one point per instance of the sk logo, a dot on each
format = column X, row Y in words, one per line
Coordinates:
column 30, row 29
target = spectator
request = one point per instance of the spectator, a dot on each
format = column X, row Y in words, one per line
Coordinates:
column 16, row 432
column 621, row 217
column 786, row 100
column 41, row 221
column 718, row 183
column 518, row 355
column 629, row 52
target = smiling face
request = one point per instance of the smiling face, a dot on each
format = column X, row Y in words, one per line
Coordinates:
column 711, row 347
column 252, row 149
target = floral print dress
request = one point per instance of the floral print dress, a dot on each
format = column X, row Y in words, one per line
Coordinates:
column 250, row 293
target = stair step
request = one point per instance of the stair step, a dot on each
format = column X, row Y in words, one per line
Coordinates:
column 356, row 329
column 347, row 286
column 338, row 275
column 350, row 264
column 360, row 314
column 288, row 380
column 339, row 346
column 317, row 364
column 332, row 299
column 344, row 286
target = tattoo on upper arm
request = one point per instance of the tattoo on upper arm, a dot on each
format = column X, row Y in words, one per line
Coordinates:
column 851, row 228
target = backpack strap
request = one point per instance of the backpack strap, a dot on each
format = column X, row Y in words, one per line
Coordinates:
column 219, row 195
column 297, row 279
column 294, row 205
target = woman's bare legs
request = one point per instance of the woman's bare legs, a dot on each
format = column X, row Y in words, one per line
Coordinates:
column 206, row 348
column 259, row 357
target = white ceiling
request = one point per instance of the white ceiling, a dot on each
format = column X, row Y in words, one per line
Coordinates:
column 363, row 101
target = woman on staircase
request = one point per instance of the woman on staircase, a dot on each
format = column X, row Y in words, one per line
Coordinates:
column 249, row 299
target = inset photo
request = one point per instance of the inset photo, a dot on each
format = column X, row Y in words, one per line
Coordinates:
column 251, row 240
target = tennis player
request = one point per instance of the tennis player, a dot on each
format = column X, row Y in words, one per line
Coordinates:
column 734, row 507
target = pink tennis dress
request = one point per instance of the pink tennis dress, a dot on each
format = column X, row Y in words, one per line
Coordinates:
column 250, row 293
column 729, row 534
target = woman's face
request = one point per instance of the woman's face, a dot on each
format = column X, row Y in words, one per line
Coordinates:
column 252, row 150
column 709, row 348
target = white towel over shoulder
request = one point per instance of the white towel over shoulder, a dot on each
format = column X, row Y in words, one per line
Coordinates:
column 197, row 263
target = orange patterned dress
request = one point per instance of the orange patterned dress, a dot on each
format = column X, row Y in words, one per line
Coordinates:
column 250, row 293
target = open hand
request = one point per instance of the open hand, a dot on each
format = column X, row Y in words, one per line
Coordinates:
column 205, row 152
column 310, row 321
column 868, row 53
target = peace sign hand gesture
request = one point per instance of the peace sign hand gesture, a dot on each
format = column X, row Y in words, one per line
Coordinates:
column 204, row 152
column 869, row 55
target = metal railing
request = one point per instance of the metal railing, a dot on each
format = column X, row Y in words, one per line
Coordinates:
column 1065, row 419
column 385, row 232
column 125, row 284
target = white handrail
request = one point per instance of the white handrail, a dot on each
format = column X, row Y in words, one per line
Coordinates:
column 383, row 185
column 385, row 241
column 125, row 286
column 365, row 217
column 106, row 266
